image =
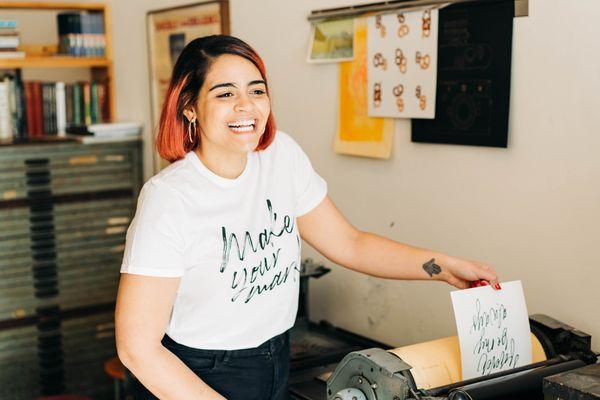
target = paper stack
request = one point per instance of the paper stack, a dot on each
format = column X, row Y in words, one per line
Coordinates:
column 110, row 132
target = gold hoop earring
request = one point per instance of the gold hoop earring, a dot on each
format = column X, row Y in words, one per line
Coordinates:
column 190, row 130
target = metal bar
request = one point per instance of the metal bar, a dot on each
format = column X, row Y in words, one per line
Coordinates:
column 445, row 389
column 521, row 8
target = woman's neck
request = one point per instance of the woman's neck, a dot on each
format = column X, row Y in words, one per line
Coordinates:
column 224, row 165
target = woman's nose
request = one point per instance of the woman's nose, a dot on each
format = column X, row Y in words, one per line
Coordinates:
column 243, row 103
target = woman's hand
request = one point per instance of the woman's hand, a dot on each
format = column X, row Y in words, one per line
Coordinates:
column 460, row 273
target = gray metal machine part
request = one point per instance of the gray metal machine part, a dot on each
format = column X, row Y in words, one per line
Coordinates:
column 372, row 374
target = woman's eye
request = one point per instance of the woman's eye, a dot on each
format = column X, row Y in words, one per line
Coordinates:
column 258, row 91
column 227, row 94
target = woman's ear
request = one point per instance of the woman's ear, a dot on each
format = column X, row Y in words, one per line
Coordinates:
column 189, row 114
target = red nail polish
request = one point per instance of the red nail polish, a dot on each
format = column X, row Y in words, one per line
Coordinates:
column 497, row 286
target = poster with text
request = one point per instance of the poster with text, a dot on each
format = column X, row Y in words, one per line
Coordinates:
column 402, row 64
column 493, row 329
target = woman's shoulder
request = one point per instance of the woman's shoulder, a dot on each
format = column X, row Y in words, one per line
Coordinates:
column 283, row 137
column 284, row 142
column 166, row 182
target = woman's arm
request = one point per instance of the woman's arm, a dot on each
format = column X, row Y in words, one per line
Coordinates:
column 144, row 306
column 328, row 231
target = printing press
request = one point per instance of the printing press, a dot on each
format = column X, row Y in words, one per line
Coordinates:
column 332, row 364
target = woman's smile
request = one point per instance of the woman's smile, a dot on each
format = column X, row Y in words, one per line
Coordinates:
column 243, row 126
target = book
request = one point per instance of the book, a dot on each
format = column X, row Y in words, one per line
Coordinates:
column 60, row 106
column 12, row 107
column 5, row 129
column 10, row 42
column 87, row 103
column 38, row 113
column 29, row 109
column 106, row 132
column 21, row 110
column 103, row 102
column 77, row 105
column 34, row 108
column 81, row 33
column 45, row 109
column 12, row 54
column 115, row 129
column 52, row 105
column 8, row 24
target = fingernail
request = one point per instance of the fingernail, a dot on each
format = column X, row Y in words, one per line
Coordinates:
column 497, row 286
column 484, row 283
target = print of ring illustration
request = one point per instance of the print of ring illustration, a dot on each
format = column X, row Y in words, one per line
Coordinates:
column 422, row 60
column 398, row 90
column 379, row 26
column 401, row 60
column 422, row 98
column 404, row 29
column 377, row 94
column 426, row 23
column 379, row 61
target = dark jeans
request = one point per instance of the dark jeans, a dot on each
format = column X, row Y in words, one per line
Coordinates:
column 260, row 373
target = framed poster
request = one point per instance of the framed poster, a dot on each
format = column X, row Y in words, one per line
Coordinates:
column 169, row 31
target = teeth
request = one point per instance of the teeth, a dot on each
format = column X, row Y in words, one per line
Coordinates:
column 243, row 129
column 242, row 123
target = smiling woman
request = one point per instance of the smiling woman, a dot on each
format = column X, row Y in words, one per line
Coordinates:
column 236, row 88
column 233, row 100
column 211, row 270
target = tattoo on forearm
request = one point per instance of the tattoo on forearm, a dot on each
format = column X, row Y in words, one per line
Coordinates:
column 432, row 268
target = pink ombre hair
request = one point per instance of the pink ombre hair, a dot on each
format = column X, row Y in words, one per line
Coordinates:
column 187, row 78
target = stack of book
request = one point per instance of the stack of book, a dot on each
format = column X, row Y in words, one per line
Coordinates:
column 35, row 109
column 9, row 40
column 108, row 132
column 81, row 33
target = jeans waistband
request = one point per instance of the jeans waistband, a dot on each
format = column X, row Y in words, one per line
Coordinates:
column 271, row 346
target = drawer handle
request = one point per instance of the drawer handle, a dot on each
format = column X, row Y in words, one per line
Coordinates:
column 83, row 160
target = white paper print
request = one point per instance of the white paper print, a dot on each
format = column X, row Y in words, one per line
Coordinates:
column 402, row 64
column 493, row 329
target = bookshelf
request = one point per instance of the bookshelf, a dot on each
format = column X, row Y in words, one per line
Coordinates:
column 47, row 56
column 64, row 210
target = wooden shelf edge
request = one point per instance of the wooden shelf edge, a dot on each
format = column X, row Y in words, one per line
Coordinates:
column 55, row 5
column 54, row 62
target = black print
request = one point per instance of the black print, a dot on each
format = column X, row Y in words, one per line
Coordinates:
column 249, row 281
column 432, row 268
column 493, row 316
column 244, row 280
column 263, row 240
column 496, row 350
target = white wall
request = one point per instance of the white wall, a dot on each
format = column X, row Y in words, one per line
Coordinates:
column 532, row 210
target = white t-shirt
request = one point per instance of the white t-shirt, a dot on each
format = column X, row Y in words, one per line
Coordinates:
column 233, row 242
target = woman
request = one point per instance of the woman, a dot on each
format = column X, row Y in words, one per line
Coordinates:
column 209, row 284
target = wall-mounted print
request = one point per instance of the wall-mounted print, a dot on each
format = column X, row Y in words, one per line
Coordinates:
column 169, row 31
column 473, row 85
column 331, row 41
column 357, row 133
column 402, row 67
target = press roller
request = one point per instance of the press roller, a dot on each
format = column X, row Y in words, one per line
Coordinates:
column 431, row 370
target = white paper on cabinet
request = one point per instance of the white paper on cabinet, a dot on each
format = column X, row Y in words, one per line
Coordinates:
column 402, row 64
column 493, row 329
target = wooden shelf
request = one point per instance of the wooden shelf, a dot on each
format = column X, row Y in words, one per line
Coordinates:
column 54, row 5
column 54, row 62
column 45, row 55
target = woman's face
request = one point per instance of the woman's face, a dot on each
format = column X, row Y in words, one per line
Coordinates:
column 232, row 108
